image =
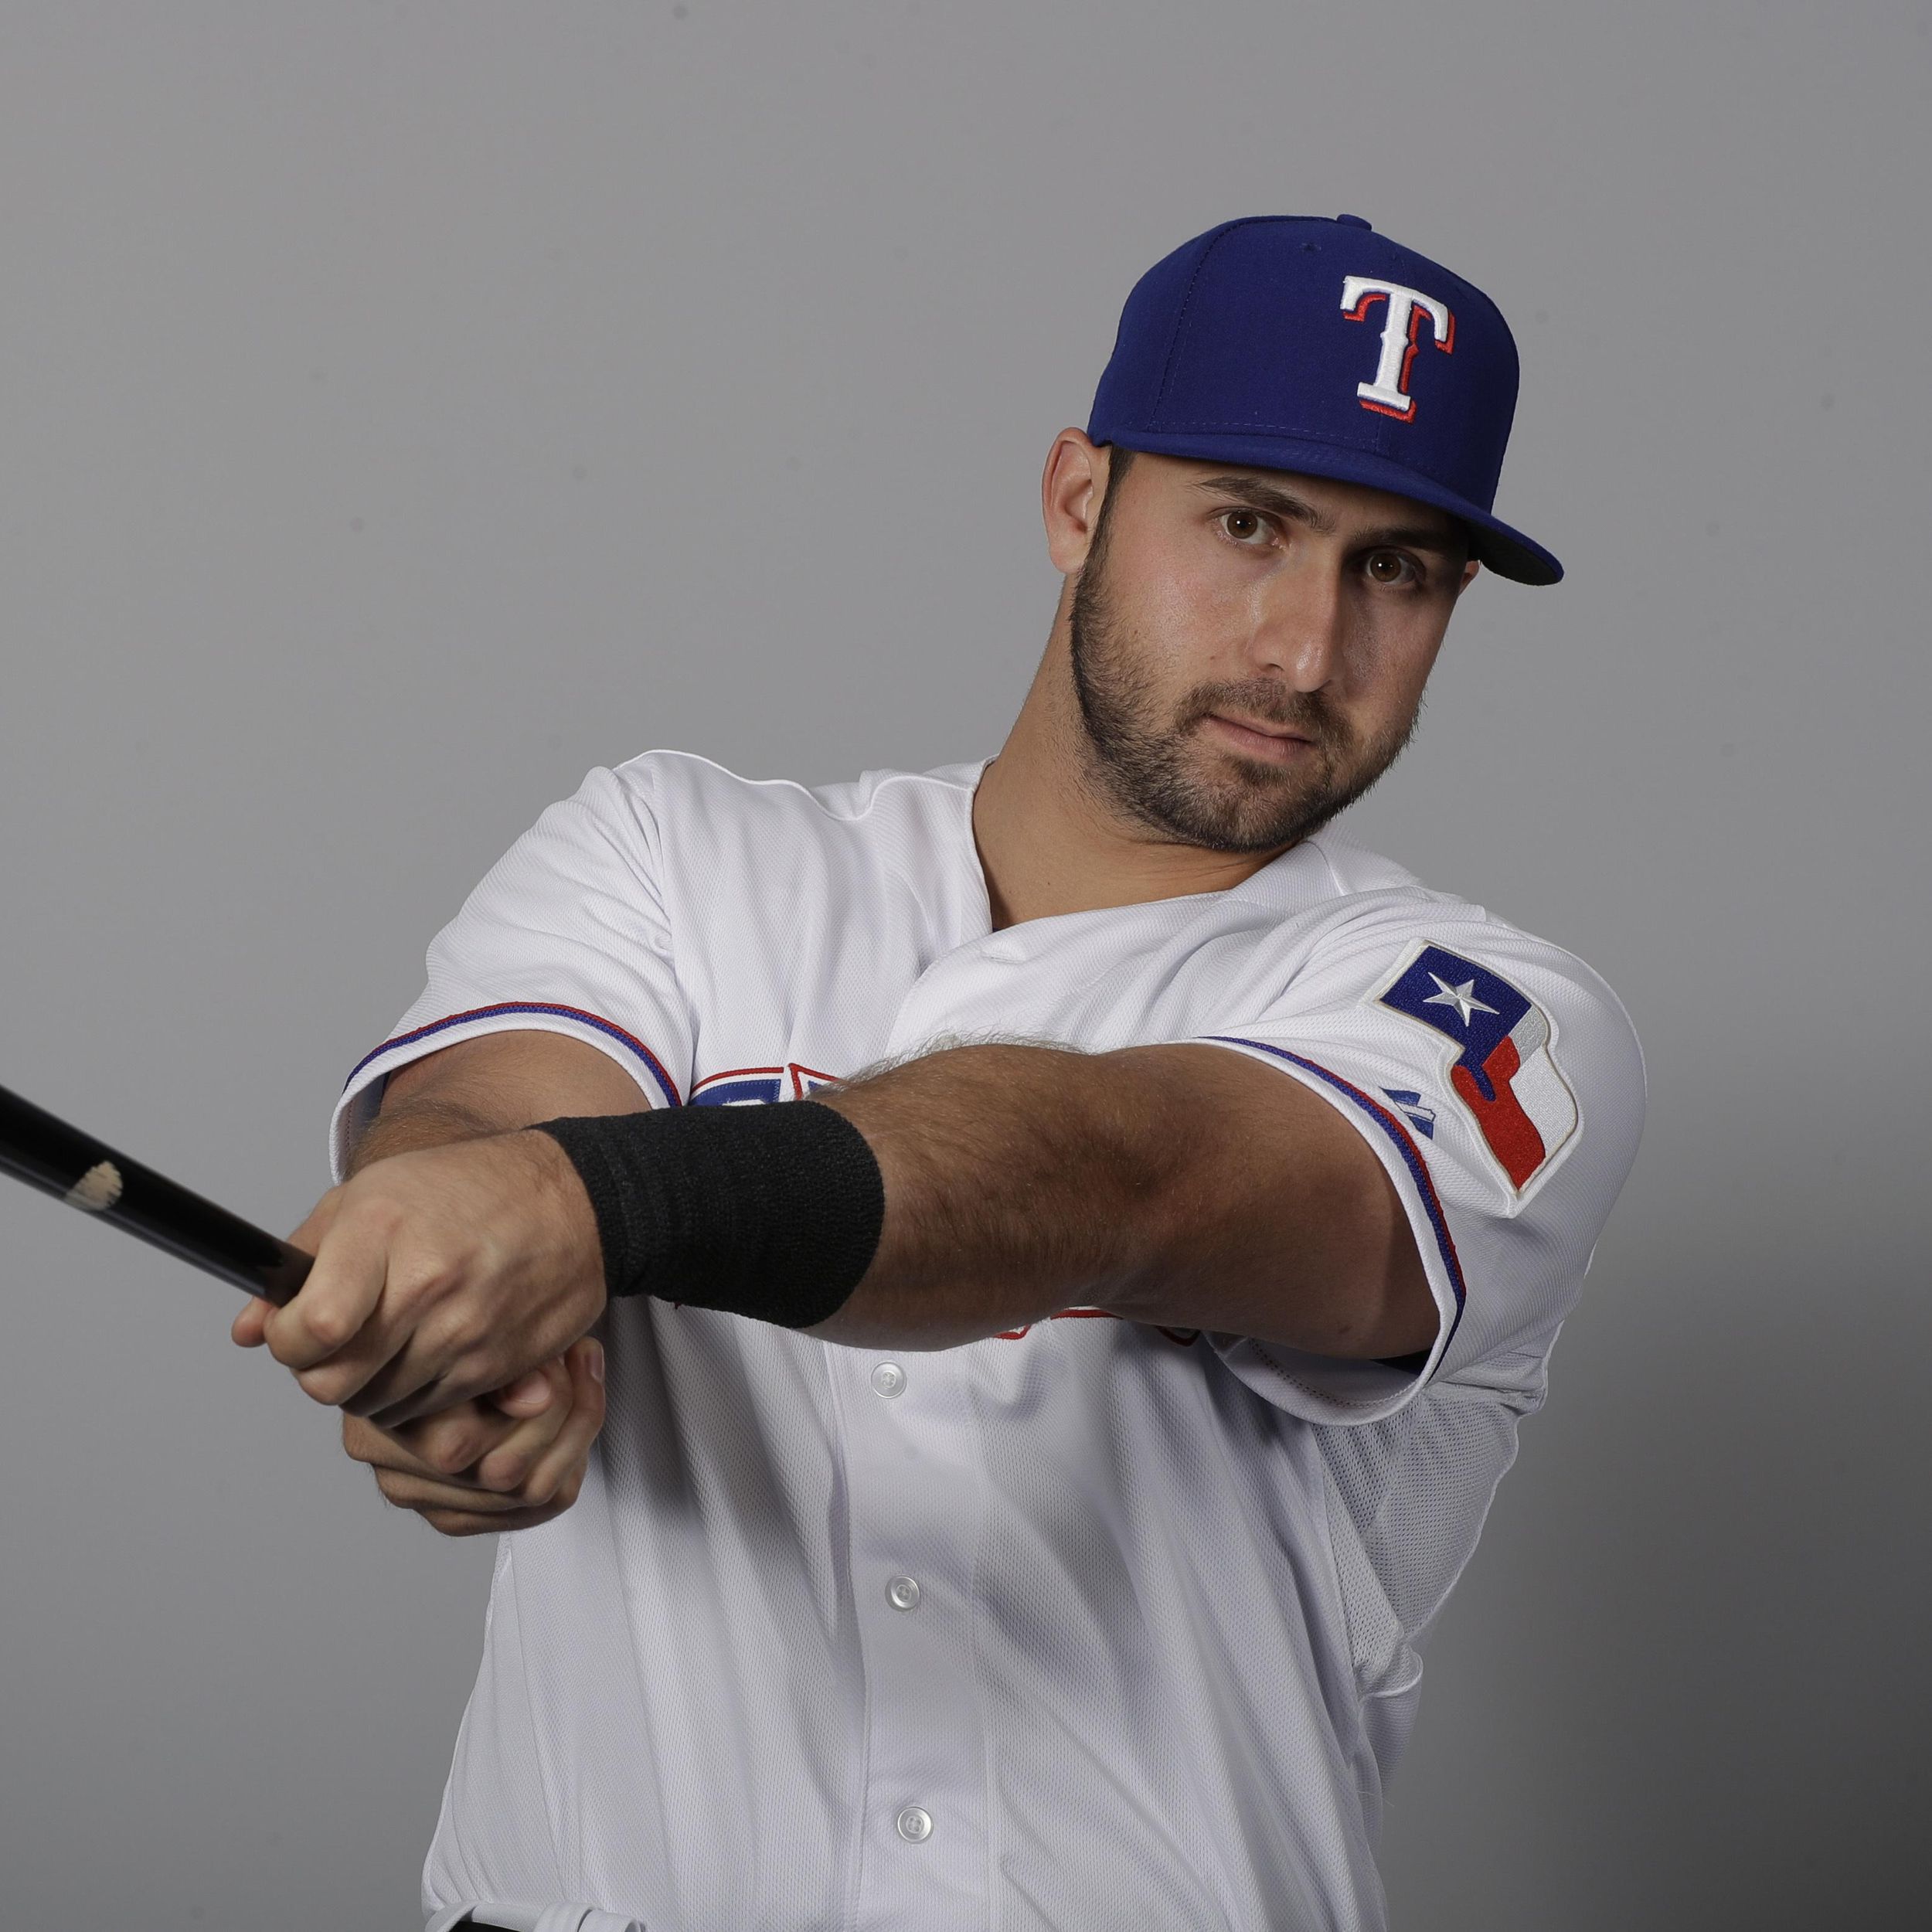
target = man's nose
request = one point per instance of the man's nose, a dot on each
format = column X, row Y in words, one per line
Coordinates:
column 1297, row 634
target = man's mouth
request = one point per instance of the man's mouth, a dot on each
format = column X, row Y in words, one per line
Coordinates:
column 1271, row 743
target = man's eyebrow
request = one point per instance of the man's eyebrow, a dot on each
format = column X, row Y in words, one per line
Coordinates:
column 1420, row 537
column 1269, row 496
column 1261, row 495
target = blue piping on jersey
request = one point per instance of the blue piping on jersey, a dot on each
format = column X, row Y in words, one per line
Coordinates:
column 630, row 1040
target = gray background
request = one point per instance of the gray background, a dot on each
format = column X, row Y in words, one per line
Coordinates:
column 406, row 408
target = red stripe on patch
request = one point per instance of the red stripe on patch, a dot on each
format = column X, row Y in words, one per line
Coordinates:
column 1511, row 1134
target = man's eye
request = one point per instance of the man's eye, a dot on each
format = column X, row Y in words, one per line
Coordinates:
column 1391, row 566
column 1244, row 527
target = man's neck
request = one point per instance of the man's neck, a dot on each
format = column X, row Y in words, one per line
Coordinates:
column 1050, row 843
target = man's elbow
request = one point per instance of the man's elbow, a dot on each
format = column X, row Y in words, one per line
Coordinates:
column 1322, row 1260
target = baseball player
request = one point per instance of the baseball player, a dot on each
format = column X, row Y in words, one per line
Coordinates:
column 1068, row 1238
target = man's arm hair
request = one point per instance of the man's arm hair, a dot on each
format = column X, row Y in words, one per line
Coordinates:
column 1182, row 1184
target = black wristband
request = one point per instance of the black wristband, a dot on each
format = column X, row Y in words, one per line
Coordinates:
column 770, row 1211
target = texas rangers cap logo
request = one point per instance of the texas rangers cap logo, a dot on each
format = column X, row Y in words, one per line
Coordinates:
column 1503, row 1071
column 1388, row 395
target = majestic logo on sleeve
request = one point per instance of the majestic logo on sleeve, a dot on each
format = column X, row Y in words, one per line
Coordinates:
column 1503, row 1071
column 1389, row 393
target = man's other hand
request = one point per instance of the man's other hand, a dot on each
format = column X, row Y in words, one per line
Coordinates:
column 502, row 1463
column 440, row 1274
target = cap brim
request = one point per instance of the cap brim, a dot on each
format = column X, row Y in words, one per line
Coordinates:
column 1491, row 542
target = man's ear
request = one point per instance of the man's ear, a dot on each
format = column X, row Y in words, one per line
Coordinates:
column 1071, row 490
column 1469, row 571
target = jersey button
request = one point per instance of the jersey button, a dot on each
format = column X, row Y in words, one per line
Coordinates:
column 902, row 1593
column 888, row 1379
column 913, row 1825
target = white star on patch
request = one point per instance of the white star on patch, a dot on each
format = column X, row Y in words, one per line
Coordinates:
column 1462, row 998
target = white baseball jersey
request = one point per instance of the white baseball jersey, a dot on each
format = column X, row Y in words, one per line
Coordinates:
column 1092, row 1624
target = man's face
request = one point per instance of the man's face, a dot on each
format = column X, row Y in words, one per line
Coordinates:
column 1249, row 646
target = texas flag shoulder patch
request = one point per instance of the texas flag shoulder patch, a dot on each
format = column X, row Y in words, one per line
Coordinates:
column 1503, row 1071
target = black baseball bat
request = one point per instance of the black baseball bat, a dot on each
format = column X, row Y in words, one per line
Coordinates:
column 43, row 1150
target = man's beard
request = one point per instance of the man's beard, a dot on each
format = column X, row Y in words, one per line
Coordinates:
column 1158, row 772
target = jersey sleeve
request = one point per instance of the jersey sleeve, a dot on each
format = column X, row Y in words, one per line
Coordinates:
column 566, row 933
column 1499, row 1083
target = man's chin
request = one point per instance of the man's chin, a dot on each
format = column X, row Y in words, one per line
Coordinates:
column 1249, row 806
column 1247, row 825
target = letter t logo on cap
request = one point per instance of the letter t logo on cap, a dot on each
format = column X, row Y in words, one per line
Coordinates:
column 1389, row 393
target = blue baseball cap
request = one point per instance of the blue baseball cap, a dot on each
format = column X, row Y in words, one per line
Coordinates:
column 1294, row 343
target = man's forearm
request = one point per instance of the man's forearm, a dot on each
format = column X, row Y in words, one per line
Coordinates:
column 495, row 1084
column 413, row 1124
column 1016, row 1179
column 1180, row 1185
